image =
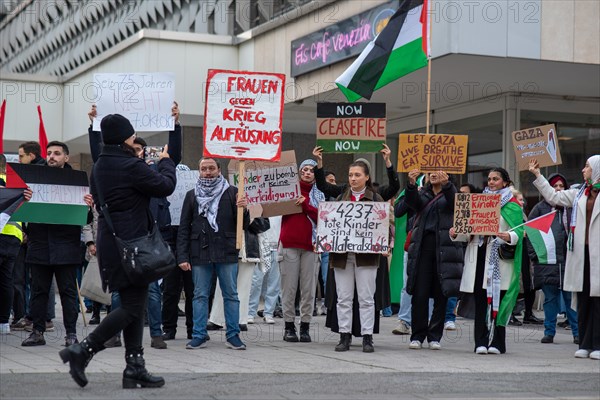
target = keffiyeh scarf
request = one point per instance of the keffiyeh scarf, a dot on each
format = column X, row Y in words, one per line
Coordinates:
column 208, row 194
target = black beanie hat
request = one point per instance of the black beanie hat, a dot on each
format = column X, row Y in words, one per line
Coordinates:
column 115, row 129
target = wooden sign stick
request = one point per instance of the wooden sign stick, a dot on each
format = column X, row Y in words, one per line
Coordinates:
column 240, row 214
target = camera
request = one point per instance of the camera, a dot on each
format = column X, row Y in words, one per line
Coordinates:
column 152, row 153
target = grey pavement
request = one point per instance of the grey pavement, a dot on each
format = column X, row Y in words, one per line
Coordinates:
column 273, row 369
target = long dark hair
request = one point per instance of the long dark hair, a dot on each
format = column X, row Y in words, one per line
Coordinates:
column 503, row 174
column 365, row 169
column 128, row 149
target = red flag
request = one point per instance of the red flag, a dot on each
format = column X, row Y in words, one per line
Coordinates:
column 43, row 139
column 542, row 223
column 2, row 113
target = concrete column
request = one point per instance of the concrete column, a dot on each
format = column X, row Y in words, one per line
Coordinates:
column 511, row 123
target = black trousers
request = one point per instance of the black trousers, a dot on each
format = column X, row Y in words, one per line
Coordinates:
column 19, row 282
column 588, row 311
column 129, row 318
column 427, row 285
column 41, row 280
column 482, row 334
column 173, row 284
column 9, row 248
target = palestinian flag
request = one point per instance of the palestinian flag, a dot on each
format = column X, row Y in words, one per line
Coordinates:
column 401, row 48
column 57, row 194
column 542, row 239
column 10, row 200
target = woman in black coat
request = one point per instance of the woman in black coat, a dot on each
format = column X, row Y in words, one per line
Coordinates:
column 435, row 262
column 126, row 184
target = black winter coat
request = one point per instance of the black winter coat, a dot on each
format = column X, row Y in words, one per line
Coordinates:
column 550, row 274
column 52, row 244
column 252, row 245
column 450, row 256
column 126, row 183
column 197, row 242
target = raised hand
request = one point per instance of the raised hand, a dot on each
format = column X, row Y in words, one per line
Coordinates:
column 318, row 153
column 386, row 153
column 413, row 175
column 534, row 167
column 93, row 113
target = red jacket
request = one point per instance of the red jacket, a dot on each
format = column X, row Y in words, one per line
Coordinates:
column 296, row 229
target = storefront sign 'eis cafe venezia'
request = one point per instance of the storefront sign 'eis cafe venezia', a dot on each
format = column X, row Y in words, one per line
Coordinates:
column 339, row 41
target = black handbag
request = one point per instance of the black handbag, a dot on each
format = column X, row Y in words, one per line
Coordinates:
column 145, row 259
column 506, row 252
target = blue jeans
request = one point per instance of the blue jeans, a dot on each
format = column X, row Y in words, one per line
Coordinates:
column 450, row 316
column 154, row 308
column 324, row 269
column 266, row 284
column 227, row 278
column 115, row 300
column 552, row 295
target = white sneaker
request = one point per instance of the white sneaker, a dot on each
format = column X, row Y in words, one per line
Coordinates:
column 582, row 353
column 481, row 350
column 415, row 345
column 493, row 350
column 595, row 355
column 403, row 328
column 4, row 329
column 450, row 326
column 435, row 345
column 269, row 320
column 250, row 320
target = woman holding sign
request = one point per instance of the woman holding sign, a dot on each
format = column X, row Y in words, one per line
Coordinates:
column 582, row 270
column 489, row 274
column 434, row 264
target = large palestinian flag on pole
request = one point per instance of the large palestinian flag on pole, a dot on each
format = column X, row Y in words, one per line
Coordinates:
column 57, row 194
column 401, row 48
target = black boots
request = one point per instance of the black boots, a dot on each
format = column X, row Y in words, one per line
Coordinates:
column 368, row 344
column 289, row 335
column 305, row 332
column 78, row 356
column 344, row 344
column 95, row 320
column 136, row 373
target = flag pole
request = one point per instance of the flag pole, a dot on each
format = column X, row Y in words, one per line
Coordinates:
column 428, row 68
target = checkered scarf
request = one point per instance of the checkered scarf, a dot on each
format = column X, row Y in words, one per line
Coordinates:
column 208, row 194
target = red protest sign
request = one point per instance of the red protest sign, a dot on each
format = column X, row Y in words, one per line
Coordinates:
column 243, row 115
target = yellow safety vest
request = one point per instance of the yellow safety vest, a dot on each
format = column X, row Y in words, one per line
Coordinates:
column 13, row 229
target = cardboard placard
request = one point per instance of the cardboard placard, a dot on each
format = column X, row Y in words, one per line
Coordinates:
column 274, row 186
column 476, row 213
column 145, row 99
column 186, row 181
column 353, row 226
column 540, row 143
column 432, row 152
column 351, row 127
column 243, row 115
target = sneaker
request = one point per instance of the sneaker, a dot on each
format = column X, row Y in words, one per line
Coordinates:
column 493, row 350
column 71, row 339
column 403, row 328
column 5, row 329
column 250, row 320
column 210, row 326
column 595, row 355
column 481, row 350
column 450, row 326
column 158, row 342
column 582, row 353
column 49, row 326
column 576, row 339
column 415, row 345
column 514, row 321
column 28, row 327
column 35, row 338
column 21, row 324
column 235, row 343
column 269, row 320
column 547, row 339
column 435, row 345
column 196, row 343
column 169, row 335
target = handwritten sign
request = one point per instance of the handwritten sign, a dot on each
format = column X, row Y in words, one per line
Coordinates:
column 243, row 115
column 476, row 213
column 540, row 143
column 186, row 181
column 358, row 227
column 145, row 99
column 429, row 153
column 273, row 185
column 351, row 127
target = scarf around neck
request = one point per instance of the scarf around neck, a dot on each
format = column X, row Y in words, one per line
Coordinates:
column 208, row 194
column 593, row 183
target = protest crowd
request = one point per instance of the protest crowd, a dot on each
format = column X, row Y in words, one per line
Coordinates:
column 284, row 261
